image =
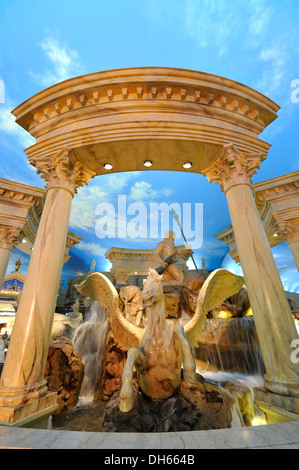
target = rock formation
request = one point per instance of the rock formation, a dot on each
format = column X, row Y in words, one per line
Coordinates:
column 64, row 373
column 200, row 406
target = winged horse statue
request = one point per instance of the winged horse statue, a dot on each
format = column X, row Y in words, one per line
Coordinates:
column 159, row 351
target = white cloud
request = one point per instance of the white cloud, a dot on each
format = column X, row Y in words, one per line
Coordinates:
column 105, row 188
column 202, row 17
column 65, row 63
column 93, row 248
column 9, row 127
column 83, row 207
column 274, row 70
column 142, row 191
column 259, row 17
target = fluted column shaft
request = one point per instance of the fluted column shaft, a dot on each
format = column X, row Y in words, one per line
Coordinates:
column 22, row 379
column 274, row 323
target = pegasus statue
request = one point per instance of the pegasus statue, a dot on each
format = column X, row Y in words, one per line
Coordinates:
column 159, row 351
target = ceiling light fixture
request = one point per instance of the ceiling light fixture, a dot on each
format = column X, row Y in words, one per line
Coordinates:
column 108, row 166
column 147, row 163
column 187, row 165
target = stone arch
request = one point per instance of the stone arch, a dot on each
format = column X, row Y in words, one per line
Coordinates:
column 123, row 118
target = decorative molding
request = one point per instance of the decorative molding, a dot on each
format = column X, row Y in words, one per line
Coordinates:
column 233, row 167
column 282, row 224
column 60, row 171
column 290, row 229
column 9, row 237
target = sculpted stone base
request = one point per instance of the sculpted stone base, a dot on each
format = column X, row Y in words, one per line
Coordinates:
column 25, row 413
column 202, row 406
column 270, row 399
column 64, row 373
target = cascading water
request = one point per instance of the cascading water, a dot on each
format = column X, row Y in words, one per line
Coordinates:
column 89, row 340
column 230, row 345
column 230, row 356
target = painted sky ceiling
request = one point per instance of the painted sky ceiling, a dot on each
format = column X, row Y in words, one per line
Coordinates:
column 256, row 44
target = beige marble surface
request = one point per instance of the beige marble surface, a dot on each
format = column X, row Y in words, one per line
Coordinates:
column 277, row 201
column 273, row 436
column 22, row 376
column 4, row 260
column 130, row 261
column 272, row 315
column 121, row 116
column 233, row 170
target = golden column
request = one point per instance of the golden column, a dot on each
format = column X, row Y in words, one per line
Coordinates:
column 276, row 329
column 23, row 390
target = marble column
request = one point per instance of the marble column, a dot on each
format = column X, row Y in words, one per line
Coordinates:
column 9, row 237
column 273, row 319
column 23, row 390
column 290, row 230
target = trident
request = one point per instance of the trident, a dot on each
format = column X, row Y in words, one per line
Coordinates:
column 176, row 217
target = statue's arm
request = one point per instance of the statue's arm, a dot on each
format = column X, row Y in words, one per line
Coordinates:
column 158, row 253
column 187, row 250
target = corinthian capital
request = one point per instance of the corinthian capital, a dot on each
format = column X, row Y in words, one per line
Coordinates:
column 290, row 229
column 232, row 167
column 9, row 237
column 62, row 171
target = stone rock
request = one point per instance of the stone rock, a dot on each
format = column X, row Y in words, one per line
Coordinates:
column 237, row 305
column 113, row 363
column 202, row 406
column 64, row 372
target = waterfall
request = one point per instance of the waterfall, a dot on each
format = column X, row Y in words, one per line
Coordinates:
column 89, row 340
column 230, row 345
column 230, row 356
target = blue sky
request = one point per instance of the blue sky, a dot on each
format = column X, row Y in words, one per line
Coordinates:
column 255, row 42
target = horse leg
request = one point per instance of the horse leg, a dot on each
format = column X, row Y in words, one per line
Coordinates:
column 134, row 358
column 189, row 366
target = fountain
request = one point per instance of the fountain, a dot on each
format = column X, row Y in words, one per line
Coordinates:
column 89, row 339
column 228, row 363
column 230, row 345
column 213, row 399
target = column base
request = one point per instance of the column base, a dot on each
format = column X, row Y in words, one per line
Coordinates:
column 288, row 388
column 28, row 413
column 286, row 406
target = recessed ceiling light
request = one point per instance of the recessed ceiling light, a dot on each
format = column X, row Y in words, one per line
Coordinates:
column 187, row 165
column 108, row 166
column 147, row 163
column 24, row 240
column 275, row 234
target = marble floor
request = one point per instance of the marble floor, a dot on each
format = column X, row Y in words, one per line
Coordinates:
column 272, row 436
